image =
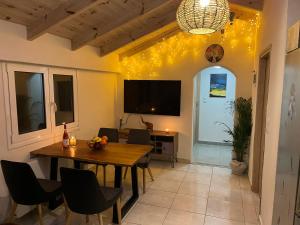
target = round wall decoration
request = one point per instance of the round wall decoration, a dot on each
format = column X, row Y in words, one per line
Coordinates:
column 214, row 53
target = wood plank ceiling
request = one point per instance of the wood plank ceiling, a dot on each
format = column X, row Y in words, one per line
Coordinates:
column 107, row 24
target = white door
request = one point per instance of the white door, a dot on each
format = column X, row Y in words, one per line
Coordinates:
column 214, row 110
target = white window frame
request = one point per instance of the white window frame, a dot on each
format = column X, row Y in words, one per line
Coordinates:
column 69, row 72
column 16, row 140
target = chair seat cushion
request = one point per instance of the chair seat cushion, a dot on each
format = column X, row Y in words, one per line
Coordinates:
column 111, row 194
column 52, row 188
column 143, row 163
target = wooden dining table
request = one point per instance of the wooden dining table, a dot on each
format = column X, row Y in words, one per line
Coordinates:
column 116, row 154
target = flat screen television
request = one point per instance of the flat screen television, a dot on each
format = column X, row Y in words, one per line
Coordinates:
column 156, row 97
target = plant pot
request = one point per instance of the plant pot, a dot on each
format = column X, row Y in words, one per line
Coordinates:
column 233, row 155
column 238, row 168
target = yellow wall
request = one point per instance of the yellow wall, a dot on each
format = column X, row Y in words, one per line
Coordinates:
column 181, row 57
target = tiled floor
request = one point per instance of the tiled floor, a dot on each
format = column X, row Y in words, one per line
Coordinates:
column 186, row 195
column 210, row 154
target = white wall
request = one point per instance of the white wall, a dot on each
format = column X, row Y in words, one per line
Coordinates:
column 213, row 111
column 50, row 50
column 96, row 90
column 274, row 30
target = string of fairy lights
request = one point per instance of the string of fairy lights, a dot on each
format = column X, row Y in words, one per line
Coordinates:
column 242, row 33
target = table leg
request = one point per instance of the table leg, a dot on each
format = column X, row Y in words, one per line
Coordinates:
column 54, row 203
column 134, row 182
column 118, row 184
column 135, row 191
column 76, row 164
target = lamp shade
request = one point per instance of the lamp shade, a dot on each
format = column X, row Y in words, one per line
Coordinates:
column 203, row 16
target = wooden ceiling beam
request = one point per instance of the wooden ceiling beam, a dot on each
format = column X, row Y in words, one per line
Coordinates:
column 147, row 6
column 61, row 14
column 154, row 20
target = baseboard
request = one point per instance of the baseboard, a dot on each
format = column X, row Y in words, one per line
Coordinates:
column 214, row 143
column 180, row 160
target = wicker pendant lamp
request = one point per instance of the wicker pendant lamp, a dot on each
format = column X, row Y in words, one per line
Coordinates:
column 203, row 16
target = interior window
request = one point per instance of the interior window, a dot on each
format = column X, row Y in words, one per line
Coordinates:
column 64, row 98
column 30, row 101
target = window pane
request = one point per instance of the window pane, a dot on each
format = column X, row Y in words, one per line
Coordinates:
column 64, row 98
column 30, row 101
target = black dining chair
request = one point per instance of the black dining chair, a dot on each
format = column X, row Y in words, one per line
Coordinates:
column 26, row 189
column 113, row 136
column 84, row 195
column 141, row 137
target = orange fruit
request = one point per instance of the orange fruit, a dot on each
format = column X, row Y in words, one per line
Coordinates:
column 105, row 138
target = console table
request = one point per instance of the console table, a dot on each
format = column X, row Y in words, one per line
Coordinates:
column 165, row 144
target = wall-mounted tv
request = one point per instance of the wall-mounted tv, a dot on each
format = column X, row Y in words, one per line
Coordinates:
column 157, row 97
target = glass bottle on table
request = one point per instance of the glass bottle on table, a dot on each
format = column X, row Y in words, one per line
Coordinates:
column 65, row 141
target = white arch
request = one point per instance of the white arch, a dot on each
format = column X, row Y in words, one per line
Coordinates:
column 210, row 110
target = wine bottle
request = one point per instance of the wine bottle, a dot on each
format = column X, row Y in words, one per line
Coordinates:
column 65, row 141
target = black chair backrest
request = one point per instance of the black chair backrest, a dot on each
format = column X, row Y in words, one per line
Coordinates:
column 22, row 184
column 139, row 136
column 82, row 191
column 111, row 133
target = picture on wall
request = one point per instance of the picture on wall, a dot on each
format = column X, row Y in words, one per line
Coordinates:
column 218, row 85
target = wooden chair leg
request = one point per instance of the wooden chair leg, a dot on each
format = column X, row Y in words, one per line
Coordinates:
column 119, row 211
column 144, row 180
column 150, row 173
column 12, row 213
column 69, row 219
column 104, row 175
column 66, row 208
column 125, row 174
column 40, row 212
column 97, row 167
column 100, row 219
column 87, row 219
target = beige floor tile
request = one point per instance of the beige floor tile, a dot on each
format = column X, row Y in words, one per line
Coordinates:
column 217, row 221
column 221, row 171
column 245, row 183
column 250, row 198
column 178, row 196
column 225, row 209
column 146, row 215
column 226, row 194
column 177, row 217
column 182, row 166
column 201, row 178
column 200, row 169
column 171, row 175
column 228, row 181
column 160, row 164
column 157, row 198
column 166, row 185
column 190, row 203
column 250, row 213
column 197, row 189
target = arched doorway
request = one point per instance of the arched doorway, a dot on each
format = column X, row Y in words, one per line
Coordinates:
column 214, row 99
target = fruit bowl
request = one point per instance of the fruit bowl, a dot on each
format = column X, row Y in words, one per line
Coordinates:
column 98, row 143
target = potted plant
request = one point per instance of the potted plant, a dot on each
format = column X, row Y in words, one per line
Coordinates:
column 240, row 134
